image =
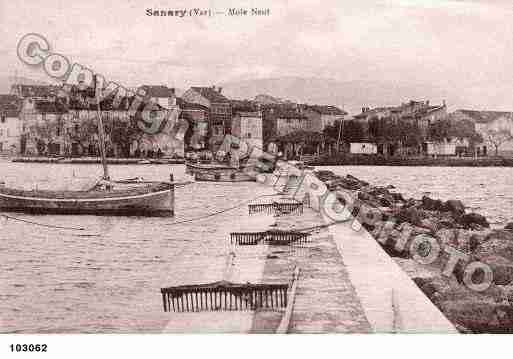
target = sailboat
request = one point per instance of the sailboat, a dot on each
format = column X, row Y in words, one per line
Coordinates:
column 134, row 197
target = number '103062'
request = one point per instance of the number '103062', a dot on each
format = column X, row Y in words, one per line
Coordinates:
column 28, row 347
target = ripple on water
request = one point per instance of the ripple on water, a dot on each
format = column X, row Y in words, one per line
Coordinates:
column 108, row 279
column 487, row 190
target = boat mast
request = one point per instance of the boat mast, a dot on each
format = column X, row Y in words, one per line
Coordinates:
column 101, row 131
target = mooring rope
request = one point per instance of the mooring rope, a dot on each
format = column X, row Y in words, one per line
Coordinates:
column 41, row 224
column 221, row 211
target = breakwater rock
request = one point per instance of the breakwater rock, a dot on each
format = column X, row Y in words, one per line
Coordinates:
column 478, row 300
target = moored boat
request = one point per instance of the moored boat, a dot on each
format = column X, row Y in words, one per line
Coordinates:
column 121, row 199
column 217, row 173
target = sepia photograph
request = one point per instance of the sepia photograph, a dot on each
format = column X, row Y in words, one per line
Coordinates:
column 242, row 167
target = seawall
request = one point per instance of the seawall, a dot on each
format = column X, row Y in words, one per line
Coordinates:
column 349, row 284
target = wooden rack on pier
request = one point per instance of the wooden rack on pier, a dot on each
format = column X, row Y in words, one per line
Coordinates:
column 224, row 296
column 273, row 237
column 278, row 208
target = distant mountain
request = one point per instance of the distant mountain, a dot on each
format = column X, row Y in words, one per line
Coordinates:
column 351, row 95
column 266, row 99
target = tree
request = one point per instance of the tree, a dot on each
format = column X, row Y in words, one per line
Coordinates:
column 497, row 138
column 440, row 130
column 409, row 134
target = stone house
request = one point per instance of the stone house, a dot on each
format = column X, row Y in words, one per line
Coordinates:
column 161, row 95
column 486, row 121
column 10, row 124
column 323, row 116
column 285, row 119
column 220, row 112
column 413, row 117
column 197, row 117
column 70, row 128
column 248, row 127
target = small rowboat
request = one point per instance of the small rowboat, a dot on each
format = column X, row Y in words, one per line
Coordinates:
column 123, row 199
column 217, row 173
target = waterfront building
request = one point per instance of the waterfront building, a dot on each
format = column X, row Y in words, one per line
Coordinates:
column 322, row 116
column 220, row 112
column 161, row 95
column 284, row 119
column 10, row 124
column 248, row 127
column 196, row 137
column 487, row 122
column 68, row 127
column 36, row 92
column 419, row 113
column 401, row 129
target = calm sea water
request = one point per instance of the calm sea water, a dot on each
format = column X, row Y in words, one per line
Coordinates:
column 108, row 277
column 486, row 190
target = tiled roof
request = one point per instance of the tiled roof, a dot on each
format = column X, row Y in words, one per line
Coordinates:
column 288, row 113
column 10, row 105
column 41, row 91
column 374, row 111
column 158, row 91
column 244, row 106
column 211, row 94
column 184, row 105
column 84, row 100
column 327, row 110
column 485, row 116
column 403, row 110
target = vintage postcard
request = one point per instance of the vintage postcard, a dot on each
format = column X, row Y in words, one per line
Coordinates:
column 243, row 167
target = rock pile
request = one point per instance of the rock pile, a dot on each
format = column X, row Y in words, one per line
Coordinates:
column 448, row 222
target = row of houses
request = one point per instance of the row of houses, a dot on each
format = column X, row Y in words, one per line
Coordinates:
column 47, row 120
column 494, row 129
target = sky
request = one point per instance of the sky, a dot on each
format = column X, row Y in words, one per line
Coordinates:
column 464, row 46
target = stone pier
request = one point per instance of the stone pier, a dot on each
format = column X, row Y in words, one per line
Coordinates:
column 326, row 301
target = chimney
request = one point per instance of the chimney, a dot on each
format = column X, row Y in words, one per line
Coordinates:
column 219, row 89
column 443, row 103
column 427, row 102
column 173, row 91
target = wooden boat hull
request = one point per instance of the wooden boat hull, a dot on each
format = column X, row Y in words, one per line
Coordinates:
column 154, row 202
column 215, row 173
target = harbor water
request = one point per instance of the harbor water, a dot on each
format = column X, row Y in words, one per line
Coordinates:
column 107, row 278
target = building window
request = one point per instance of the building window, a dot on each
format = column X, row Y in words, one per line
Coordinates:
column 3, row 119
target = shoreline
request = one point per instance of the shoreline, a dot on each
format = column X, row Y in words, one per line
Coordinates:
column 97, row 160
column 354, row 160
column 376, row 160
